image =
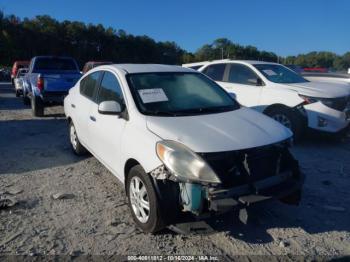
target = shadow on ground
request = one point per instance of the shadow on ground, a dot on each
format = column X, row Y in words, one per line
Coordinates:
column 34, row 144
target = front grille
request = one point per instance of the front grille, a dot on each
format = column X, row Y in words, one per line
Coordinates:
column 240, row 167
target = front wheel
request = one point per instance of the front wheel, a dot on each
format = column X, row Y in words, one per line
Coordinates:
column 289, row 119
column 143, row 202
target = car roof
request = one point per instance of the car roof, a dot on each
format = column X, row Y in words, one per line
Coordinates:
column 98, row 62
column 150, row 68
column 252, row 62
column 53, row 56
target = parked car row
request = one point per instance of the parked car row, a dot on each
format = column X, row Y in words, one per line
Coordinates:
column 16, row 66
column 45, row 80
column 5, row 74
column 284, row 95
column 189, row 142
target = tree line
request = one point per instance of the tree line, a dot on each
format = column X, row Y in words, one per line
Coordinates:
column 21, row 39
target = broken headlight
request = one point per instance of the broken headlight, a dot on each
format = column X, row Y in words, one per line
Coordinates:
column 185, row 164
column 326, row 101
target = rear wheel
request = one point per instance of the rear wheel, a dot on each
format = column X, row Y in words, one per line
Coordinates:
column 26, row 100
column 37, row 106
column 77, row 147
column 289, row 119
column 143, row 202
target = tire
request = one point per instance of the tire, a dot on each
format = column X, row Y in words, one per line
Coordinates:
column 77, row 147
column 26, row 100
column 37, row 106
column 149, row 221
column 292, row 199
column 289, row 119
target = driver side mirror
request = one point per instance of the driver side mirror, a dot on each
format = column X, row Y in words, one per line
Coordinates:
column 110, row 108
column 256, row 81
column 259, row 82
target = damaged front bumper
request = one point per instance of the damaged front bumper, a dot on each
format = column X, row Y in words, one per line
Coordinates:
column 248, row 176
column 274, row 187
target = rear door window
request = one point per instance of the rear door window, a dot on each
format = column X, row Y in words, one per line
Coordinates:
column 88, row 85
column 215, row 71
column 241, row 74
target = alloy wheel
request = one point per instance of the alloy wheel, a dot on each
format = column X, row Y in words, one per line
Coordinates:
column 139, row 200
column 73, row 137
column 283, row 119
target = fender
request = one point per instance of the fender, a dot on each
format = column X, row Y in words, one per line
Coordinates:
column 131, row 148
column 271, row 96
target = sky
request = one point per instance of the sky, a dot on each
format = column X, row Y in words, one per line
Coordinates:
column 286, row 27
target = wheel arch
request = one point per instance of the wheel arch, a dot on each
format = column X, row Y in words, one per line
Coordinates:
column 130, row 163
column 275, row 106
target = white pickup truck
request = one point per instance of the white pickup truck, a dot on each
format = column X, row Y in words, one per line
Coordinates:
column 284, row 95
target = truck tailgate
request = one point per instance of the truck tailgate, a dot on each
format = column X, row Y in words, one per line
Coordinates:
column 59, row 82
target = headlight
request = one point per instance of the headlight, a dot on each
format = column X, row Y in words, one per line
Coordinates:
column 310, row 100
column 184, row 163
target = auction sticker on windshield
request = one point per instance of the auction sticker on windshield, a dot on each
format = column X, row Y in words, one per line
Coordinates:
column 270, row 72
column 152, row 95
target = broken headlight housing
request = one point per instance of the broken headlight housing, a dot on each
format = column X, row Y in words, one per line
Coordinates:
column 326, row 101
column 185, row 164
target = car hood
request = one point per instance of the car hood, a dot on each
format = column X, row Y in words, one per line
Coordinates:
column 234, row 130
column 320, row 89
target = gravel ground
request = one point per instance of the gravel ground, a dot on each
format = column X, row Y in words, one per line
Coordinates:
column 36, row 162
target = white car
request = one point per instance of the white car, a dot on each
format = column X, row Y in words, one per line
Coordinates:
column 287, row 97
column 179, row 142
column 18, row 81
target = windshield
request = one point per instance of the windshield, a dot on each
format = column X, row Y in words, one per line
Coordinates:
column 178, row 94
column 57, row 64
column 279, row 74
column 21, row 73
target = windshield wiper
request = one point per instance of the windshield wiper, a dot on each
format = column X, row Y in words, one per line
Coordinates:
column 215, row 109
column 160, row 113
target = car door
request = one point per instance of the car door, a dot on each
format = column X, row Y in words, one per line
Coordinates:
column 245, row 83
column 82, row 106
column 107, row 130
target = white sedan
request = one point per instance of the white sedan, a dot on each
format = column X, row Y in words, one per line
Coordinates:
column 179, row 142
column 284, row 95
column 18, row 81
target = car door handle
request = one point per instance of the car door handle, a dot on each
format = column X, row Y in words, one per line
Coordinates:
column 92, row 118
column 72, row 105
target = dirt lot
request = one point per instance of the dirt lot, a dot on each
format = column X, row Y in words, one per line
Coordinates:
column 36, row 162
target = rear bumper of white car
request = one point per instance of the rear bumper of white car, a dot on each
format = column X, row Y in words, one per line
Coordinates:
column 18, row 86
column 324, row 118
